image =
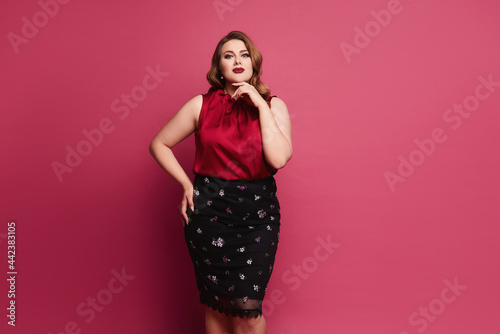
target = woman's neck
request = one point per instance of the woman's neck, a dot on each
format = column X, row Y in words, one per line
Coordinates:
column 229, row 89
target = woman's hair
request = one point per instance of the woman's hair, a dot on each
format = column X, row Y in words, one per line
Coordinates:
column 214, row 74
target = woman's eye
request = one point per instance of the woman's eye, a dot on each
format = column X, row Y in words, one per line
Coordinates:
column 228, row 56
column 246, row 55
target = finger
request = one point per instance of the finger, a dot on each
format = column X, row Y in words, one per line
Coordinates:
column 237, row 93
column 240, row 91
column 184, row 204
column 190, row 203
column 183, row 211
column 241, row 88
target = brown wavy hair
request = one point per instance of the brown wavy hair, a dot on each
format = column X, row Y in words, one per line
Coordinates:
column 214, row 74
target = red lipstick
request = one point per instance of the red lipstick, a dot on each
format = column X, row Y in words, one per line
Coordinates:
column 239, row 70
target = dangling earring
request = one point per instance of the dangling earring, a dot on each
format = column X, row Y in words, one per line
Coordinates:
column 221, row 77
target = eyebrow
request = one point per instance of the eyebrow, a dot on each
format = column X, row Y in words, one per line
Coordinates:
column 241, row 51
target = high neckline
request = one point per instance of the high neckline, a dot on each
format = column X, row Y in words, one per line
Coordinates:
column 225, row 96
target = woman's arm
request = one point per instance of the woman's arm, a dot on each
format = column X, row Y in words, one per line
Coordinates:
column 276, row 130
column 179, row 127
column 275, row 125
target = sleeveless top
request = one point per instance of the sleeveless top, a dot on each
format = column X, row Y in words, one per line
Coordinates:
column 228, row 139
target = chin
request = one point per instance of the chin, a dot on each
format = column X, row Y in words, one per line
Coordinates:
column 237, row 78
column 242, row 79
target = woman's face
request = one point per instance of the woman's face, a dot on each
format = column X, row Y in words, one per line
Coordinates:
column 235, row 63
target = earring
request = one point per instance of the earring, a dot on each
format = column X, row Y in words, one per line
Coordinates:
column 221, row 77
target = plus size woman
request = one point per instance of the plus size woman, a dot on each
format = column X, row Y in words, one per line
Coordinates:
column 231, row 211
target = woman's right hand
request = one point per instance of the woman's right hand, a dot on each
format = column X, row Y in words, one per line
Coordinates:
column 187, row 201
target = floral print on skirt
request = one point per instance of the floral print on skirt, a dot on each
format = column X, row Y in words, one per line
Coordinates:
column 232, row 237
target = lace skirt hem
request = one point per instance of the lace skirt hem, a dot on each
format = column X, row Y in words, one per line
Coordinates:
column 229, row 311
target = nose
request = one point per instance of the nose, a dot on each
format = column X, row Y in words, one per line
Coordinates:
column 237, row 60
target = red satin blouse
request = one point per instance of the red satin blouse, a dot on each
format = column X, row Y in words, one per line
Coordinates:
column 228, row 139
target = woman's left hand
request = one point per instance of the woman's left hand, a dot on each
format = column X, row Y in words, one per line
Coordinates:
column 248, row 92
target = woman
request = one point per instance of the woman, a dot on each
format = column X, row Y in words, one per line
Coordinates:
column 231, row 212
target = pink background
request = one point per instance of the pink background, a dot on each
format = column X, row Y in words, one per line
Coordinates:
column 358, row 105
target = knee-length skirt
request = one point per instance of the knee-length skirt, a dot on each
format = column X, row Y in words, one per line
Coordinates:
column 232, row 236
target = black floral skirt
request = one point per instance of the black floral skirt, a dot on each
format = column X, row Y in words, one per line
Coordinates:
column 232, row 237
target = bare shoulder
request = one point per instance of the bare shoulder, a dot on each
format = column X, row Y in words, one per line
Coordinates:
column 191, row 110
column 195, row 103
column 278, row 104
column 281, row 116
column 279, row 108
column 198, row 99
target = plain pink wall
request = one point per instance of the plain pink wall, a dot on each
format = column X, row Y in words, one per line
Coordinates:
column 370, row 243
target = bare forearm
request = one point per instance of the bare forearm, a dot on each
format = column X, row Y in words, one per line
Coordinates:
column 277, row 149
column 166, row 159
